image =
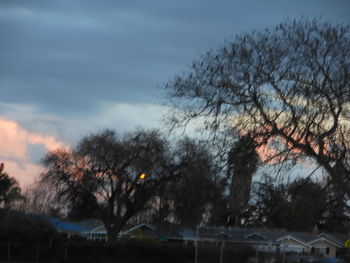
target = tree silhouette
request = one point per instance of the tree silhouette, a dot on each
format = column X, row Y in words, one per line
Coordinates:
column 287, row 86
column 194, row 190
column 242, row 164
column 9, row 189
column 117, row 176
column 299, row 205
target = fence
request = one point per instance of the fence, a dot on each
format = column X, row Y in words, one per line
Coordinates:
column 130, row 251
column 11, row 251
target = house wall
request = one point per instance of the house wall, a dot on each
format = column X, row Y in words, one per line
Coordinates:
column 294, row 246
column 143, row 232
column 323, row 244
column 99, row 233
column 100, row 229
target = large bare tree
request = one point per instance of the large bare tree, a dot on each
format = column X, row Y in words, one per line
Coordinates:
column 287, row 86
column 119, row 175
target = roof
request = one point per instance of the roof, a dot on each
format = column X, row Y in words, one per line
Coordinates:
column 255, row 234
column 64, row 226
column 325, row 239
column 90, row 224
column 336, row 237
column 187, row 233
column 304, row 236
column 295, row 237
column 245, row 235
column 209, row 233
column 150, row 226
column 153, row 231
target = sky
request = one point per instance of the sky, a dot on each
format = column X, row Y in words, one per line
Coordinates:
column 69, row 68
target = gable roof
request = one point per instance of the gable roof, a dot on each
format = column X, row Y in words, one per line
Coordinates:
column 239, row 235
column 150, row 226
column 249, row 236
column 298, row 237
column 337, row 239
column 324, row 239
column 164, row 232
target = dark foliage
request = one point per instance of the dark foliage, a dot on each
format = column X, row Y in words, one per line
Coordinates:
column 287, row 86
column 19, row 228
column 195, row 190
column 126, row 251
column 10, row 191
column 85, row 206
column 300, row 205
column 114, row 177
column 242, row 163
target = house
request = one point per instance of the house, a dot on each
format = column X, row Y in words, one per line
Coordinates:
column 267, row 240
column 295, row 242
column 270, row 240
column 323, row 244
column 328, row 244
column 260, row 239
column 93, row 229
column 69, row 228
column 167, row 232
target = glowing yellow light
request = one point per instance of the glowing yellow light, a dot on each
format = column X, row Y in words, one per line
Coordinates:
column 143, row 176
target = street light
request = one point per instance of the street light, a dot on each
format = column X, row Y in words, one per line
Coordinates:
column 143, row 176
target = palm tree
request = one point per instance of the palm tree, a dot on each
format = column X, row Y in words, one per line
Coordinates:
column 242, row 164
column 9, row 189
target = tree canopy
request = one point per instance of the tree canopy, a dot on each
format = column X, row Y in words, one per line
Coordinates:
column 9, row 189
column 118, row 175
column 194, row 191
column 300, row 205
column 287, row 86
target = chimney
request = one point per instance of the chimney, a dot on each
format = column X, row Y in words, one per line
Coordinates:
column 315, row 231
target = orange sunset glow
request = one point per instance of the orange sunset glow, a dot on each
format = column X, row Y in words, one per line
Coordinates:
column 14, row 144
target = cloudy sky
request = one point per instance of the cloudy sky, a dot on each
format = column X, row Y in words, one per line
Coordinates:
column 69, row 67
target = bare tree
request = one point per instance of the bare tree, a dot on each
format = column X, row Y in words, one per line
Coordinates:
column 40, row 199
column 287, row 86
column 122, row 174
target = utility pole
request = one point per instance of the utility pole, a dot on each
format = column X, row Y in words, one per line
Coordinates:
column 222, row 248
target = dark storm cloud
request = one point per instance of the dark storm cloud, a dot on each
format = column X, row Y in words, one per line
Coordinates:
column 71, row 67
column 67, row 56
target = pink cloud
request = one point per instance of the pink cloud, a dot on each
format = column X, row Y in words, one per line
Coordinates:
column 25, row 173
column 14, row 144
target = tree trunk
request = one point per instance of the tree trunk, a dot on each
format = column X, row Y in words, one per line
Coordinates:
column 112, row 234
column 236, row 222
column 114, row 230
